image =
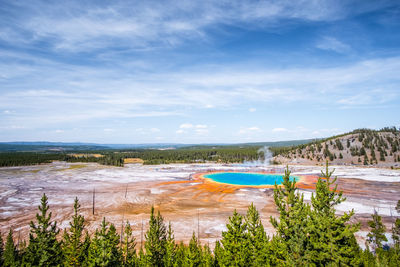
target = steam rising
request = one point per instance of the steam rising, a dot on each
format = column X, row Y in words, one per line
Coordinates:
column 264, row 158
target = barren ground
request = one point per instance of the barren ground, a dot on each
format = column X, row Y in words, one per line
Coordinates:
column 127, row 194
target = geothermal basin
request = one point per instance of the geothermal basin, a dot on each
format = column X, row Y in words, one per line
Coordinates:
column 183, row 194
column 247, row 178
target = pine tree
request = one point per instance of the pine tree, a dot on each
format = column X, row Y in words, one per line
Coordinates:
column 377, row 234
column 103, row 250
column 180, row 255
column 293, row 219
column 396, row 229
column 156, row 239
column 193, row 252
column 236, row 242
column 170, row 250
column 207, row 257
column 43, row 248
column 218, row 254
column 128, row 245
column 73, row 245
column 1, row 250
column 396, row 233
column 332, row 240
column 258, row 240
column 10, row 255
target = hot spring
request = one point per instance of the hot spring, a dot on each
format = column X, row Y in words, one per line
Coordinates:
column 247, row 178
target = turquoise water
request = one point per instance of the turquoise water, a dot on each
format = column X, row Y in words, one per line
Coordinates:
column 246, row 178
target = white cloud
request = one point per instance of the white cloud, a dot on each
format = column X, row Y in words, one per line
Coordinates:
column 52, row 100
column 279, row 130
column 154, row 130
column 333, row 44
column 199, row 129
column 108, row 130
column 145, row 25
column 12, row 127
column 59, row 131
column 202, row 131
column 186, row 126
column 252, row 109
column 249, row 130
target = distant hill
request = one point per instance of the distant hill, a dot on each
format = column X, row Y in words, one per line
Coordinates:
column 359, row 147
column 43, row 146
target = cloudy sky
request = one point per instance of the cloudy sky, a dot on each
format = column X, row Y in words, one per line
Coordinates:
column 197, row 71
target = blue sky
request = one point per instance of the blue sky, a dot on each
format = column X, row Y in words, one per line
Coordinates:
column 196, row 71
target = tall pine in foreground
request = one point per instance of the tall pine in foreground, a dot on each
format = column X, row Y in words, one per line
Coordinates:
column 10, row 252
column 170, row 249
column 103, row 250
column 331, row 237
column 290, row 242
column 128, row 246
column 258, row 240
column 73, row 245
column 43, row 248
column 235, row 243
column 156, row 239
column 193, row 253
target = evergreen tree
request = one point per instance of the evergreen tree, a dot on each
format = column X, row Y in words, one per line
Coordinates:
column 180, row 255
column 1, row 249
column 156, row 239
column 396, row 233
column 129, row 257
column 142, row 261
column 293, row 220
column 193, row 253
column 43, row 248
column 73, row 245
column 258, row 240
column 332, row 240
column 170, row 250
column 207, row 257
column 377, row 234
column 10, row 256
column 396, row 229
column 218, row 254
column 103, row 250
column 236, row 242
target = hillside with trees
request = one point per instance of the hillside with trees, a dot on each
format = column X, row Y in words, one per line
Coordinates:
column 306, row 234
column 360, row 147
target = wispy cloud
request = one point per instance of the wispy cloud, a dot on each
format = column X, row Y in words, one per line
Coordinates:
column 249, row 130
column 99, row 95
column 143, row 25
column 279, row 130
column 333, row 44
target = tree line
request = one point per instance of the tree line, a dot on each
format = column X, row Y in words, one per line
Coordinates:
column 149, row 156
column 306, row 234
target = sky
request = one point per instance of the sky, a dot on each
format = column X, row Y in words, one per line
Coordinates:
column 197, row 71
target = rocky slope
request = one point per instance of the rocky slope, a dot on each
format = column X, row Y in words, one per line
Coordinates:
column 360, row 147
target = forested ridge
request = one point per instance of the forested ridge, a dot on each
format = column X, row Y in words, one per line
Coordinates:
column 359, row 147
column 306, row 234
